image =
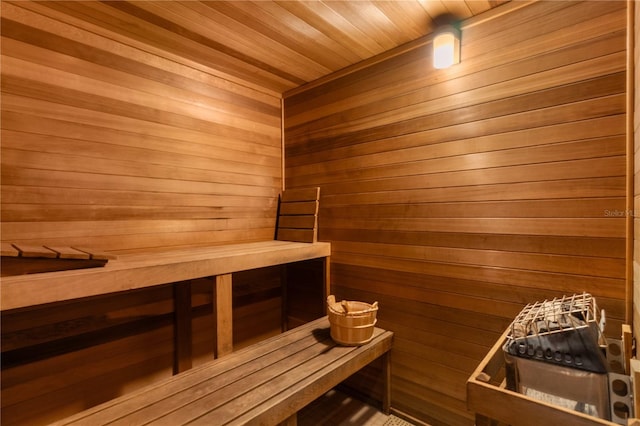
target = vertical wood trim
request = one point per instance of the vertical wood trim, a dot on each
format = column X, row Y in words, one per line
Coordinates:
column 285, row 297
column 386, row 376
column 223, row 309
column 282, row 140
column 629, row 218
column 182, row 326
column 635, row 383
column 627, row 347
column 291, row 421
column 636, row 135
column 326, row 279
column 482, row 420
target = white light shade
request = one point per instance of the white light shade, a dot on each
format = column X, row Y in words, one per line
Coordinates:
column 446, row 48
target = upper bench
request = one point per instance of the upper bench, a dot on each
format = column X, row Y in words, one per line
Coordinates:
column 297, row 222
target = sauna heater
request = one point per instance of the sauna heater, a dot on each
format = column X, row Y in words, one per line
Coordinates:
column 555, row 353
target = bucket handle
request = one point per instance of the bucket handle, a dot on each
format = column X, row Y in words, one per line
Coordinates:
column 331, row 300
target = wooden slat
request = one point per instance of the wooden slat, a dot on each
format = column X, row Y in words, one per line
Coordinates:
column 95, row 254
column 505, row 403
column 540, row 262
column 305, row 235
column 298, row 208
column 9, row 250
column 69, row 252
column 297, row 221
column 50, row 258
column 13, row 266
column 32, row 250
column 300, row 195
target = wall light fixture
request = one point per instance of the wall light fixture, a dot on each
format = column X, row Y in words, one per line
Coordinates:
column 446, row 47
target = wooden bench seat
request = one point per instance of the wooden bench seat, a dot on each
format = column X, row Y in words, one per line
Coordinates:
column 265, row 384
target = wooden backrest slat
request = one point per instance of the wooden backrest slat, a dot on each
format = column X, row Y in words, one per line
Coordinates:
column 297, row 222
column 300, row 235
column 300, row 194
column 96, row 254
column 9, row 250
column 298, row 215
column 69, row 252
column 32, row 250
column 299, row 207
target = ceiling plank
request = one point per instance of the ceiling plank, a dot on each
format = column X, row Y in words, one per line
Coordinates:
column 275, row 46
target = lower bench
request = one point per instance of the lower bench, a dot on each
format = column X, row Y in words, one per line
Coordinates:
column 264, row 384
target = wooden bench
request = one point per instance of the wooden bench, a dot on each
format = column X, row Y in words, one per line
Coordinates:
column 265, row 384
column 296, row 240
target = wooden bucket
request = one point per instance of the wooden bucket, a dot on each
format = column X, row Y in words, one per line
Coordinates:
column 351, row 322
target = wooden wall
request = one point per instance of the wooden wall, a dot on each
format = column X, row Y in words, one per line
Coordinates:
column 111, row 144
column 454, row 197
column 636, row 163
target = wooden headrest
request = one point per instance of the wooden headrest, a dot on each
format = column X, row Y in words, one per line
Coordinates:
column 298, row 215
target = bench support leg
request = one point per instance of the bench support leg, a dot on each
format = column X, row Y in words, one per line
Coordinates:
column 291, row 421
column 284, row 285
column 182, row 326
column 223, row 308
column 386, row 376
column 326, row 279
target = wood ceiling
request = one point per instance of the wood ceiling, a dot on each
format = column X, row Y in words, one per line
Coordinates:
column 275, row 45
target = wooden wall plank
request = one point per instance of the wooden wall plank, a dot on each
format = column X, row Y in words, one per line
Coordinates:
column 634, row 17
column 455, row 197
column 111, row 143
column 112, row 125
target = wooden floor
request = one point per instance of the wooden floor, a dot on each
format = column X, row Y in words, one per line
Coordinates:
column 337, row 408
